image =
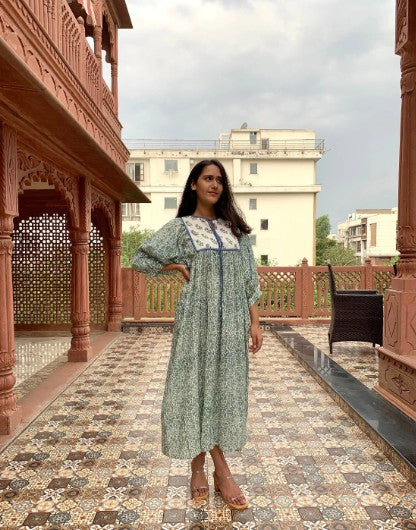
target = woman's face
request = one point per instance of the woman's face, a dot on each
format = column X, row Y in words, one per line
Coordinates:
column 209, row 185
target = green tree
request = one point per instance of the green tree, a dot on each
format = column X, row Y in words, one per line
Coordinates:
column 323, row 227
column 130, row 242
column 323, row 243
column 339, row 255
column 328, row 249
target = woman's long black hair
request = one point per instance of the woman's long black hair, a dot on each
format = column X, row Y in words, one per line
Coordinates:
column 225, row 208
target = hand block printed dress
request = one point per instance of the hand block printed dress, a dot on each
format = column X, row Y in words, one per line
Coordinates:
column 206, row 393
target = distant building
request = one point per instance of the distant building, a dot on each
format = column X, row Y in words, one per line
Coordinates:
column 273, row 175
column 370, row 234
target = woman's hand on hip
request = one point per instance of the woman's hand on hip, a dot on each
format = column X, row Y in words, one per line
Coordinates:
column 183, row 269
column 256, row 338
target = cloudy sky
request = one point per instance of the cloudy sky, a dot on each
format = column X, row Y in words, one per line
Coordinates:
column 191, row 69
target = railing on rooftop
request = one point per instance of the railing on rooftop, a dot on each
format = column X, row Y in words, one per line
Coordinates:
column 306, row 144
column 299, row 294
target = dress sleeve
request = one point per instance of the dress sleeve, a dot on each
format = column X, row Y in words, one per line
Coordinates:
column 160, row 249
column 251, row 277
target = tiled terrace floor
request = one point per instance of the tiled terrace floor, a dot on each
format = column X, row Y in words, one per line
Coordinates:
column 92, row 459
column 36, row 358
column 358, row 358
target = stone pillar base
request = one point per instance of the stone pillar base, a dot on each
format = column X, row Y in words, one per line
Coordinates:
column 80, row 356
column 397, row 380
column 114, row 326
column 9, row 420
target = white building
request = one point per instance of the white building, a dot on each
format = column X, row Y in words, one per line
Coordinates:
column 371, row 234
column 272, row 173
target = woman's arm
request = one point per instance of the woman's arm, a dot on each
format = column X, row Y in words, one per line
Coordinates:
column 183, row 269
column 255, row 331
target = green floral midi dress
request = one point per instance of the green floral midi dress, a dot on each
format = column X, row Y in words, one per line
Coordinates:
column 206, row 393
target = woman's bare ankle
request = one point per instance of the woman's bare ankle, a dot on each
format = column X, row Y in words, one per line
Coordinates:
column 198, row 462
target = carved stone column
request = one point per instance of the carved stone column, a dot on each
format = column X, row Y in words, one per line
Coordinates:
column 397, row 368
column 10, row 413
column 114, row 84
column 80, row 307
column 80, row 298
column 115, row 291
column 115, row 299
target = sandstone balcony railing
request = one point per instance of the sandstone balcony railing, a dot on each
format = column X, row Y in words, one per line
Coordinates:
column 47, row 37
column 293, row 294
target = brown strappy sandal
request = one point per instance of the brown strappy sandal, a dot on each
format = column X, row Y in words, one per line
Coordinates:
column 204, row 495
column 230, row 503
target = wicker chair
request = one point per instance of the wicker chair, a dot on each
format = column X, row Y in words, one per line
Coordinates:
column 356, row 315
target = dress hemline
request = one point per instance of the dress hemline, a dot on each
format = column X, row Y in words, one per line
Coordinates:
column 190, row 456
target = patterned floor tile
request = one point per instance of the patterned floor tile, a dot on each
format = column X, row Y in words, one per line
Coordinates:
column 92, row 459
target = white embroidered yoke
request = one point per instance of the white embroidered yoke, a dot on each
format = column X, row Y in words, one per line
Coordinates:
column 210, row 234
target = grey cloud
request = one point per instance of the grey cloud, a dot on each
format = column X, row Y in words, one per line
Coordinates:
column 192, row 69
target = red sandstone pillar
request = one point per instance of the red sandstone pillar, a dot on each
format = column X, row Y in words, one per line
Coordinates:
column 10, row 413
column 80, row 307
column 397, row 367
column 114, row 84
column 80, row 297
column 115, row 290
column 115, row 299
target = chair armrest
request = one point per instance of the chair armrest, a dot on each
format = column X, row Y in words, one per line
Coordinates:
column 358, row 297
column 357, row 291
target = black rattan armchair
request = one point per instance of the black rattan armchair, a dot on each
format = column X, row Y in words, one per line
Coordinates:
column 356, row 315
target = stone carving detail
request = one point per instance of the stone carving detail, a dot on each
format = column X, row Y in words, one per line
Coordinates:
column 400, row 384
column 398, row 379
column 401, row 24
column 407, row 83
column 33, row 169
column 391, row 320
column 406, row 237
column 8, row 141
column 6, row 246
column 101, row 201
column 59, row 79
column 411, row 322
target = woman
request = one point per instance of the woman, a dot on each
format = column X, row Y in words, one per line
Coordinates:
column 205, row 400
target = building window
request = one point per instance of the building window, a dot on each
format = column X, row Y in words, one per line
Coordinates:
column 135, row 170
column 124, row 210
column 171, row 165
column 264, row 224
column 253, row 137
column 264, row 259
column 253, row 168
column 136, row 209
column 253, row 204
column 170, row 202
column 265, row 143
column 252, row 239
column 373, row 234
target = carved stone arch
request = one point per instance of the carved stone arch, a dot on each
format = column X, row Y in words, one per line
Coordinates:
column 30, row 169
column 103, row 203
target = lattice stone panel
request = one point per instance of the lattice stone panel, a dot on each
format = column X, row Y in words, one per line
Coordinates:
column 382, row 280
column 96, row 269
column 344, row 280
column 278, row 293
column 41, row 266
column 162, row 293
column 321, row 296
